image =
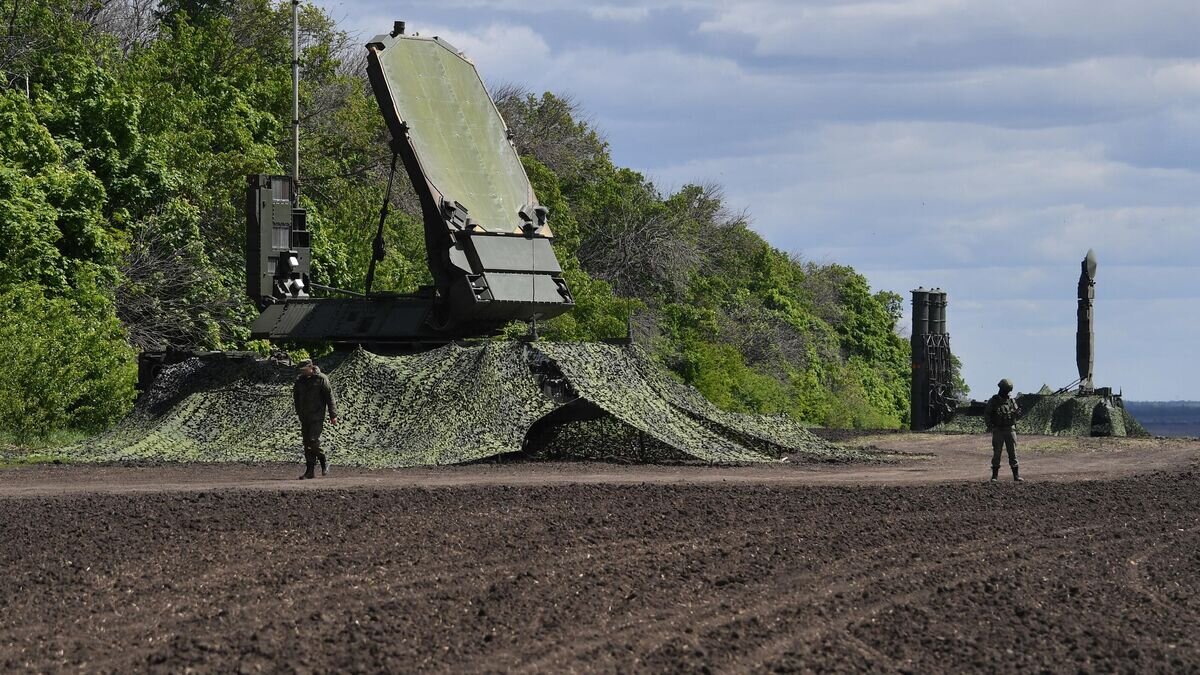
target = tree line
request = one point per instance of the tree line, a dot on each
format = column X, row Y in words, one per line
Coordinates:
column 127, row 128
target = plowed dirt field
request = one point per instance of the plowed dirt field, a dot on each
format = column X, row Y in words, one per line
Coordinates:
column 906, row 566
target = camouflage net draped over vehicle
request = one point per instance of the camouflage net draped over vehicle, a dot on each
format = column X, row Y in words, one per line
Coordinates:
column 629, row 385
column 449, row 405
column 1059, row 415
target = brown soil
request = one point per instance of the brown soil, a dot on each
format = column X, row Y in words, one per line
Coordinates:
column 589, row 567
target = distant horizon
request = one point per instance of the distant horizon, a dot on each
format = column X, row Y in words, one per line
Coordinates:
column 1124, row 397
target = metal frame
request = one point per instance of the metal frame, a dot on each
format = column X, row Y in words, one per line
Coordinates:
column 930, row 393
column 939, row 405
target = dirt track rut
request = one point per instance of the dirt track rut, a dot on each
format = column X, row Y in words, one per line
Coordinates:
column 1093, row 575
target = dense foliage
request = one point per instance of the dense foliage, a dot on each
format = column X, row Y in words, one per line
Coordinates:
column 122, row 176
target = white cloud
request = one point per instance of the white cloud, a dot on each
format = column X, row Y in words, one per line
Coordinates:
column 619, row 13
column 909, row 27
column 501, row 52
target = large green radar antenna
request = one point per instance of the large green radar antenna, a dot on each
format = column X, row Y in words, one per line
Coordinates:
column 487, row 239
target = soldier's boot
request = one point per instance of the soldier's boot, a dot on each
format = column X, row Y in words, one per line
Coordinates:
column 1017, row 475
column 308, row 471
column 995, row 473
column 324, row 464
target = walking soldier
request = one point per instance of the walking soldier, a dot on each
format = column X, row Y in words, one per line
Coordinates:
column 313, row 397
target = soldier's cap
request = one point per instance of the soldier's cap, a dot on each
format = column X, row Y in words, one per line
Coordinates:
column 1006, row 384
column 306, row 363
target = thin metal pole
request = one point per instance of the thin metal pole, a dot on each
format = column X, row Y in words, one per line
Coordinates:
column 377, row 248
column 296, row 100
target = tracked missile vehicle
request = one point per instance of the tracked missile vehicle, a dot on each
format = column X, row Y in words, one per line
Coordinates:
column 487, row 240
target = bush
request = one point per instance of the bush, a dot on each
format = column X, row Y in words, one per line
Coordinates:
column 851, row 405
column 720, row 373
column 64, row 362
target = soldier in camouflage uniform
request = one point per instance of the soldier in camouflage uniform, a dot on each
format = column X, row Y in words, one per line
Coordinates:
column 313, row 396
column 1001, row 414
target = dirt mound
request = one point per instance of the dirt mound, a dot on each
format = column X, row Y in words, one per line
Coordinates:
column 450, row 405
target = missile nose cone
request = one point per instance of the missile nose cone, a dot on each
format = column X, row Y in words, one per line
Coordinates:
column 1090, row 263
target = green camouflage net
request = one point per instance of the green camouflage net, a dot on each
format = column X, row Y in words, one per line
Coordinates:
column 605, row 438
column 610, row 377
column 449, row 405
column 1059, row 415
column 632, row 387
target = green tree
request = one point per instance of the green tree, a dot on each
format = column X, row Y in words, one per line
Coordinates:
column 66, row 363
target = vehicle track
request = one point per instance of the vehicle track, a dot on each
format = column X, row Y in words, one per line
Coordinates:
column 1136, row 573
column 604, row 578
column 957, row 566
column 763, row 604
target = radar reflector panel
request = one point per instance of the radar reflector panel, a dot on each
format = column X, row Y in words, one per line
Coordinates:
column 487, row 238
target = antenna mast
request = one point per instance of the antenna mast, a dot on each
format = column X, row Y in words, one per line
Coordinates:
column 296, row 101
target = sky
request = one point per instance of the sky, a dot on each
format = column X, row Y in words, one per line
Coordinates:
column 977, row 146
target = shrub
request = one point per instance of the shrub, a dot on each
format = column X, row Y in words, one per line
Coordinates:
column 64, row 362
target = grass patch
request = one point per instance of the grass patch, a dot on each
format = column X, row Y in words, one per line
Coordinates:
column 1052, row 445
column 43, row 450
column 8, row 460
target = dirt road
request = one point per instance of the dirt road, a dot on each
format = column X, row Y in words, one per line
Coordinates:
column 585, row 567
column 916, row 459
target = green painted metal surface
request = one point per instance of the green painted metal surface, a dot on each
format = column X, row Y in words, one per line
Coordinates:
column 458, row 135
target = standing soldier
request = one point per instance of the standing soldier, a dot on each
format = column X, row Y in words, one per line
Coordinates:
column 313, row 396
column 1001, row 414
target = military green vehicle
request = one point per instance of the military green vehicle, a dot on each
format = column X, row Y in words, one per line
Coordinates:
column 487, row 239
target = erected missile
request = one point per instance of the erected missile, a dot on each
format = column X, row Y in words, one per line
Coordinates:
column 1084, row 340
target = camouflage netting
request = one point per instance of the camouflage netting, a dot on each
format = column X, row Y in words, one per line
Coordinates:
column 450, row 405
column 1060, row 415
